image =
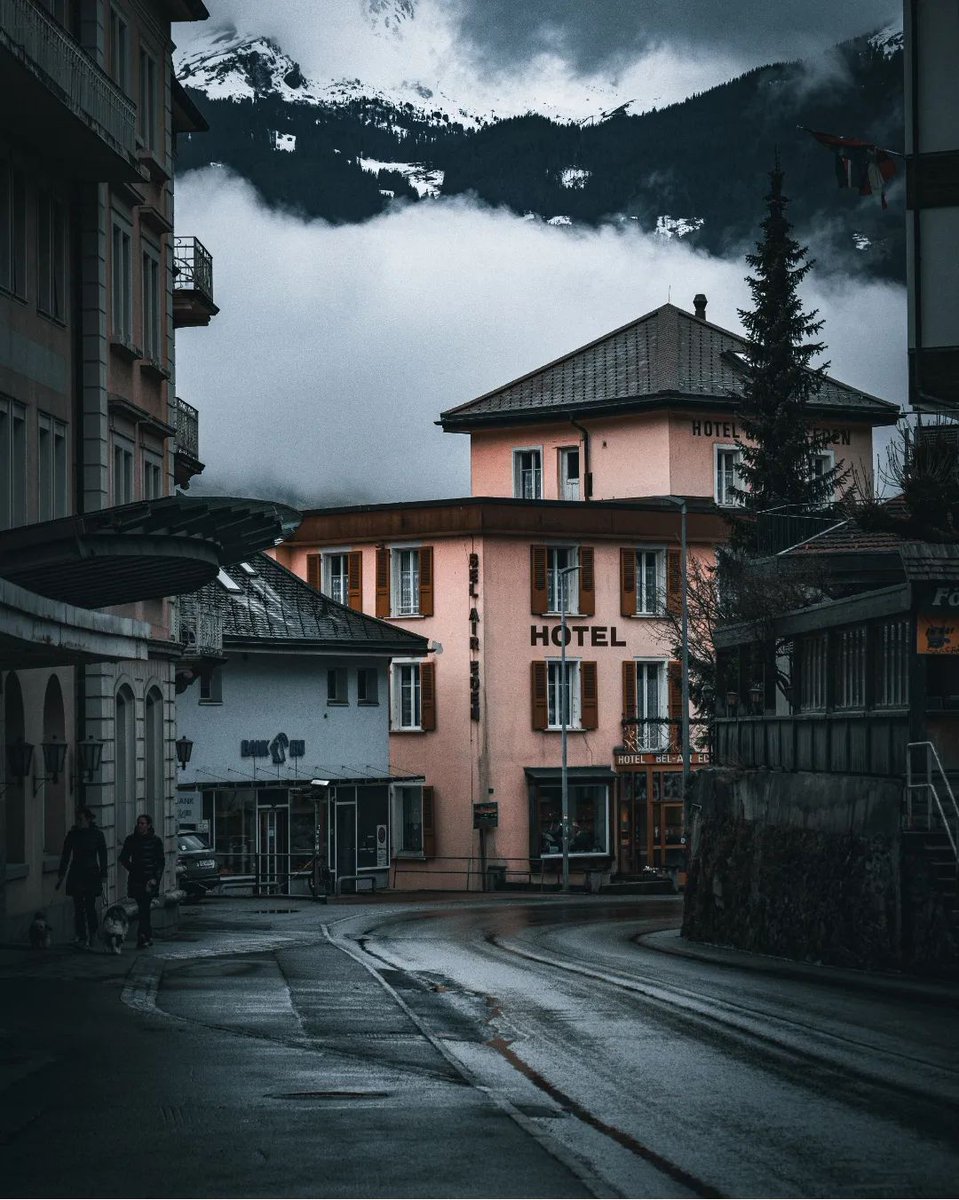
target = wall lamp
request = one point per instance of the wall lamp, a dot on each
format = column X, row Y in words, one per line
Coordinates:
column 756, row 693
column 184, row 751
column 54, row 759
column 19, row 758
column 89, row 756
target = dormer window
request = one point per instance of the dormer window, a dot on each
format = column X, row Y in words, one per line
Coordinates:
column 528, row 474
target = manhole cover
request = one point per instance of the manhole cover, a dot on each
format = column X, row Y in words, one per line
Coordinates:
column 364, row 1095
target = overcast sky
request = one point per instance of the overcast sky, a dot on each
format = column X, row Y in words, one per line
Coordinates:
column 336, row 348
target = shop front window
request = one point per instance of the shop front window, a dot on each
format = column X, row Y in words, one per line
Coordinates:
column 588, row 820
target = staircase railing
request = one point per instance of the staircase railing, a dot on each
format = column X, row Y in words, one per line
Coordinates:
column 931, row 779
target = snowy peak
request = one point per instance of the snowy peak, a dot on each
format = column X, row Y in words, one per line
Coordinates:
column 390, row 15
column 243, row 69
column 888, row 41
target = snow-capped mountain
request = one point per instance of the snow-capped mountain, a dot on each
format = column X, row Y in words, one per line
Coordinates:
column 345, row 148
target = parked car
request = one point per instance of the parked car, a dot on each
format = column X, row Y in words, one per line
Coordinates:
column 197, row 869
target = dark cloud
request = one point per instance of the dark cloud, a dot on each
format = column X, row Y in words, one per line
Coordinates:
column 596, row 35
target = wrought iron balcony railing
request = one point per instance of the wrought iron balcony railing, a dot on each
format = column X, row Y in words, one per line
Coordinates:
column 51, row 55
column 192, row 267
column 187, row 429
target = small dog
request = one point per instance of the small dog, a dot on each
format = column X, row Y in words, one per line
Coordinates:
column 41, row 934
column 113, row 927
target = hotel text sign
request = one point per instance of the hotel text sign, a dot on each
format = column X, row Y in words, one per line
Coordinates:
column 729, row 429
column 581, row 635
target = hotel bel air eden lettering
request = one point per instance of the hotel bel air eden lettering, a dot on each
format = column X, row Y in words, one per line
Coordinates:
column 576, row 635
column 474, row 638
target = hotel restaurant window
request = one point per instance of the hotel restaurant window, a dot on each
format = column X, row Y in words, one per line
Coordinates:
column 404, row 581
column 528, row 474
column 413, row 697
column 588, row 816
column 728, row 459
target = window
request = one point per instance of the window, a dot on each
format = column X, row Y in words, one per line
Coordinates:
column 51, row 257
column 336, row 577
column 51, row 468
column 728, row 459
column 812, row 668
column 151, row 305
column 404, row 581
column 821, row 462
column 147, row 108
column 152, row 476
column 211, row 686
column 851, row 668
column 528, row 474
column 13, row 464
column 650, row 584
column 227, row 582
column 336, row 686
column 367, row 686
column 125, row 770
column 409, row 818
column 563, row 694
column 569, row 473
column 558, row 560
column 13, row 229
column 413, row 696
column 652, row 731
column 153, row 749
column 589, row 825
column 892, row 664
column 121, row 278
column 122, row 471
column 119, row 51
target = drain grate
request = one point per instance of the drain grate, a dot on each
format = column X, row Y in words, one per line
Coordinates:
column 366, row 1094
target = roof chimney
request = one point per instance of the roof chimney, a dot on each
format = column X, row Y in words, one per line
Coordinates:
column 699, row 303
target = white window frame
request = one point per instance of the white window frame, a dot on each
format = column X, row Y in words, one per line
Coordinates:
column 338, row 591
column 720, row 492
column 554, row 580
column 121, row 281
column 658, row 608
column 51, row 467
column 650, row 738
column 124, row 480
column 405, row 577
column 554, row 667
column 569, row 488
column 406, row 682
column 535, row 473
column 400, row 848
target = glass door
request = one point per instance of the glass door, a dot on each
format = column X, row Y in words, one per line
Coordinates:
column 343, row 856
column 273, row 850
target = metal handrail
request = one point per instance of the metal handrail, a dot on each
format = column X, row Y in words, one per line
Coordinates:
column 187, row 428
column 932, row 755
column 65, row 67
column 192, row 266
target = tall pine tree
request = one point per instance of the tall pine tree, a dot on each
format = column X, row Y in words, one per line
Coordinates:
column 777, row 454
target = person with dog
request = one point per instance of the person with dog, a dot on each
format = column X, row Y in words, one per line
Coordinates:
column 84, row 863
column 144, row 858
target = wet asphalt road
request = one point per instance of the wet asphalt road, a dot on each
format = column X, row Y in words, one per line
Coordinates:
column 523, row 1047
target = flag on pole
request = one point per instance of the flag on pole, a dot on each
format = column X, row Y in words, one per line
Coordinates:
column 859, row 164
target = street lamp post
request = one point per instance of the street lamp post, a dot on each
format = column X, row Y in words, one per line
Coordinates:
column 562, row 574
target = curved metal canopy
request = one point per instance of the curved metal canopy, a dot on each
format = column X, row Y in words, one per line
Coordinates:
column 140, row 551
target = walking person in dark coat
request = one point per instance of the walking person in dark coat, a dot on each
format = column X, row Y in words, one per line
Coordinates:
column 85, row 853
column 143, row 857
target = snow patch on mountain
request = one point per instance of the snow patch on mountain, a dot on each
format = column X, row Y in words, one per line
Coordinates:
column 284, row 141
column 426, row 181
column 677, row 227
column 574, row 177
column 888, row 41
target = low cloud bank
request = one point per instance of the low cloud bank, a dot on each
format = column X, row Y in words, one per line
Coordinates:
column 337, row 347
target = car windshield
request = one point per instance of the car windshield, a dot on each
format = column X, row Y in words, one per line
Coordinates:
column 189, row 841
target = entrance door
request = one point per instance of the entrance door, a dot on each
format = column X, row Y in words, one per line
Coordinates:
column 344, row 849
column 273, row 850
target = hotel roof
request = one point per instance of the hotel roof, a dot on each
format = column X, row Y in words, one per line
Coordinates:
column 667, row 358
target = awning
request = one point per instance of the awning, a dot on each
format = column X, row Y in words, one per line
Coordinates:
column 574, row 774
column 141, row 551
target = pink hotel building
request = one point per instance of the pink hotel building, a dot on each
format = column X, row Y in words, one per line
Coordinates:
column 572, row 466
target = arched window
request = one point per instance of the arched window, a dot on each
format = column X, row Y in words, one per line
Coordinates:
column 125, row 775
column 54, row 793
column 153, row 751
column 13, row 730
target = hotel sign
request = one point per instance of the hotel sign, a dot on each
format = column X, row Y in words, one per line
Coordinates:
column 654, row 758
column 582, row 635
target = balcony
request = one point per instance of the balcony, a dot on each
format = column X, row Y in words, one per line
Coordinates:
column 192, row 283
column 198, row 626
column 186, row 461
column 58, row 98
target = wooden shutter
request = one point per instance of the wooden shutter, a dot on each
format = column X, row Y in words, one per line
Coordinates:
column 675, row 704
column 538, row 693
column 674, row 582
column 314, row 575
column 629, row 688
column 587, row 582
column 537, row 580
column 427, row 696
column 355, row 579
column 627, row 582
column 382, row 582
column 429, row 823
column 426, row 581
column 588, row 696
